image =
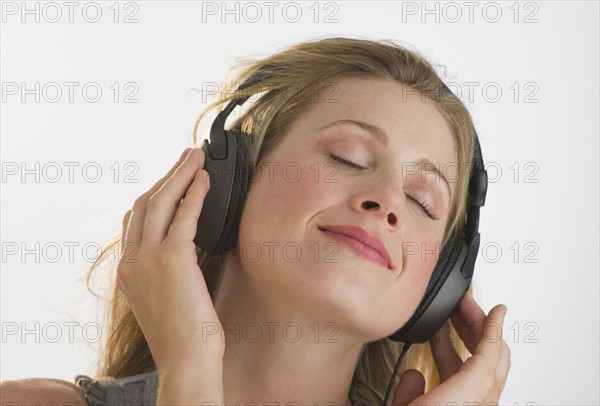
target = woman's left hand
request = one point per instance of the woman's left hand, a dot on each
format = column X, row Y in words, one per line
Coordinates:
column 480, row 378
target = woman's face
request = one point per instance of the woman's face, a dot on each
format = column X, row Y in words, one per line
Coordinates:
column 300, row 190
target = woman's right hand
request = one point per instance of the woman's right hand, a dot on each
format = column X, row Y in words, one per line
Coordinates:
column 159, row 273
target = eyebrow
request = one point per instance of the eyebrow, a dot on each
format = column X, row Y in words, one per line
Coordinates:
column 375, row 131
column 380, row 136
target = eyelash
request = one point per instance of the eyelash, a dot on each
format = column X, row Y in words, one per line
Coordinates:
column 351, row 164
column 346, row 162
column 425, row 207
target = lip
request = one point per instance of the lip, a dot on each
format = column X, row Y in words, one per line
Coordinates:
column 363, row 243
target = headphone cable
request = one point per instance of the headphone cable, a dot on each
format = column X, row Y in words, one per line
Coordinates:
column 389, row 388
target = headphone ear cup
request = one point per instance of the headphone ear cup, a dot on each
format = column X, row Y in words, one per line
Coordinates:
column 425, row 321
column 239, row 192
column 230, row 177
column 440, row 266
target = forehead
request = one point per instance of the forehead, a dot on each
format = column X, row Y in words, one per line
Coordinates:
column 413, row 124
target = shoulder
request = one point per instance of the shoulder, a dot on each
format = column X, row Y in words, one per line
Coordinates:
column 137, row 389
column 41, row 391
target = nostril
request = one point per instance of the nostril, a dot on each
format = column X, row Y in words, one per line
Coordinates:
column 369, row 204
column 392, row 219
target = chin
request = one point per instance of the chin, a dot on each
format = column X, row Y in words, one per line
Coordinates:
column 372, row 308
column 348, row 296
column 354, row 294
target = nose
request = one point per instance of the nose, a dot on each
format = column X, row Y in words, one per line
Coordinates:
column 385, row 202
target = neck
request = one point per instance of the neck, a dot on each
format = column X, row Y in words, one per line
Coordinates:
column 280, row 350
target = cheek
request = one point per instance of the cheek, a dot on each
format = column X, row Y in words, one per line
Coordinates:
column 421, row 256
column 420, row 259
column 283, row 198
column 421, row 246
column 399, row 303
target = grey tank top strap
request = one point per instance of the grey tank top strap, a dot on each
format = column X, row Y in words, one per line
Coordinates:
column 141, row 390
column 356, row 400
column 135, row 390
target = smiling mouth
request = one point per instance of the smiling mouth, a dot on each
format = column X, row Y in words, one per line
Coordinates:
column 360, row 248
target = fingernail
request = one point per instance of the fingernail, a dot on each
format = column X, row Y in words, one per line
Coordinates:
column 190, row 153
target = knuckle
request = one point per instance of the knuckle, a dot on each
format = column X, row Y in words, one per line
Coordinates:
column 183, row 215
column 141, row 201
column 122, row 271
column 488, row 367
column 508, row 351
column 146, row 264
column 130, row 250
column 127, row 216
column 163, row 259
column 183, row 212
column 154, row 199
column 489, row 378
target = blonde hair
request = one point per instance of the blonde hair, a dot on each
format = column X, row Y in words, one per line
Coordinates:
column 293, row 77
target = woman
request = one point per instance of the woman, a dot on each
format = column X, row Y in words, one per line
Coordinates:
column 333, row 138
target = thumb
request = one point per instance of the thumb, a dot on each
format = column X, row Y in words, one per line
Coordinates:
column 410, row 387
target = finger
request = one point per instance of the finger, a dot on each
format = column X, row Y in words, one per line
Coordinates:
column 503, row 365
column 492, row 346
column 125, row 223
column 136, row 223
column 122, row 242
column 128, row 249
column 469, row 320
column 410, row 387
column 163, row 204
column 185, row 223
column 446, row 359
column 491, row 341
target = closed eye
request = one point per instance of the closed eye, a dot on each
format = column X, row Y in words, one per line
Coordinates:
column 424, row 206
column 346, row 162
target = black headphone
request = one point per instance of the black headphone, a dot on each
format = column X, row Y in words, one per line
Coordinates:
column 230, row 170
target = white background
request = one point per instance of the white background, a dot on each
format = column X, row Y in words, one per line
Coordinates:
column 539, row 225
